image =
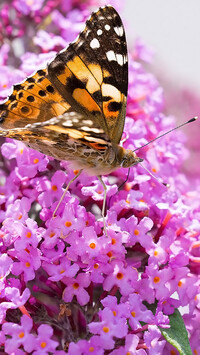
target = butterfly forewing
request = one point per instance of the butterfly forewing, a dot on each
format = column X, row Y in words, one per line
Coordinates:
column 92, row 74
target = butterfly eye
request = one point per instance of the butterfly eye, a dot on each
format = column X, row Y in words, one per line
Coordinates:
column 130, row 159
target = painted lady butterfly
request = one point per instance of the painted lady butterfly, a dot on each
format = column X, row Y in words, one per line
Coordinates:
column 75, row 109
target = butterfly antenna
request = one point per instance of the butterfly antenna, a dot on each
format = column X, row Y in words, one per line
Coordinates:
column 171, row 130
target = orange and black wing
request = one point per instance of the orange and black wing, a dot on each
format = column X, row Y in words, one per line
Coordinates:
column 66, row 137
column 92, row 73
column 34, row 100
column 89, row 78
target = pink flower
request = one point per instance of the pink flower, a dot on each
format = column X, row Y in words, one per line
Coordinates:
column 43, row 342
column 138, row 312
column 160, row 280
column 20, row 335
column 109, row 327
column 123, row 277
column 76, row 287
column 60, row 271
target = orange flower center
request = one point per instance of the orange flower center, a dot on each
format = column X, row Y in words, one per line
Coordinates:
column 106, row 329
column 156, row 279
column 68, row 224
column 120, row 275
column 92, row 245
column 76, row 285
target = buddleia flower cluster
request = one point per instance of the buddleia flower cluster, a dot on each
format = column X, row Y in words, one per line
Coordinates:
column 66, row 287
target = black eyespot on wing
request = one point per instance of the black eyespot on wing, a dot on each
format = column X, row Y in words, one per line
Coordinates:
column 25, row 109
column 30, row 98
column 50, row 89
column 114, row 106
column 42, row 93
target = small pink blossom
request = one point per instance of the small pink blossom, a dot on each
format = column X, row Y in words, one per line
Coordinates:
column 76, row 287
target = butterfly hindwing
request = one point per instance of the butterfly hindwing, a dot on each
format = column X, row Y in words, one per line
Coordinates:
column 34, row 100
column 61, row 136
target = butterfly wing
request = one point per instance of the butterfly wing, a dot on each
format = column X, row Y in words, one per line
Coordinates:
column 34, row 100
column 92, row 74
column 89, row 77
column 67, row 137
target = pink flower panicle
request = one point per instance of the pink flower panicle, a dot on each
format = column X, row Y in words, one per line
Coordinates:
column 65, row 286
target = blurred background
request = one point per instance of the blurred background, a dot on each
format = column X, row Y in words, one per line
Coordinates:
column 172, row 29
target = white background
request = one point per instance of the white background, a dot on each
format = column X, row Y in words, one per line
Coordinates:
column 172, row 29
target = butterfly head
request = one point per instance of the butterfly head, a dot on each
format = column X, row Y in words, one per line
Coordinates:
column 128, row 158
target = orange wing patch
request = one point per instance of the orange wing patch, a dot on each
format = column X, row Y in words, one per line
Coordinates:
column 85, row 99
column 36, row 99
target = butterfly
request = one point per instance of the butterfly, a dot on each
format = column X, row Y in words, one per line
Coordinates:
column 75, row 108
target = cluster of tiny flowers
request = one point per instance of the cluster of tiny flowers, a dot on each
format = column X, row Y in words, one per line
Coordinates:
column 66, row 286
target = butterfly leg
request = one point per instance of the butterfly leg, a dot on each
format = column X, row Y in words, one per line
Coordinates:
column 64, row 193
column 104, row 203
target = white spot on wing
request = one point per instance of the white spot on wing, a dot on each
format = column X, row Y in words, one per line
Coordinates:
column 93, row 129
column 99, row 32
column 110, row 55
column 110, row 90
column 107, row 27
column 120, row 59
column 87, row 122
column 97, row 140
column 125, row 59
column 79, row 43
column 67, row 124
column 94, row 43
column 119, row 31
column 87, row 33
